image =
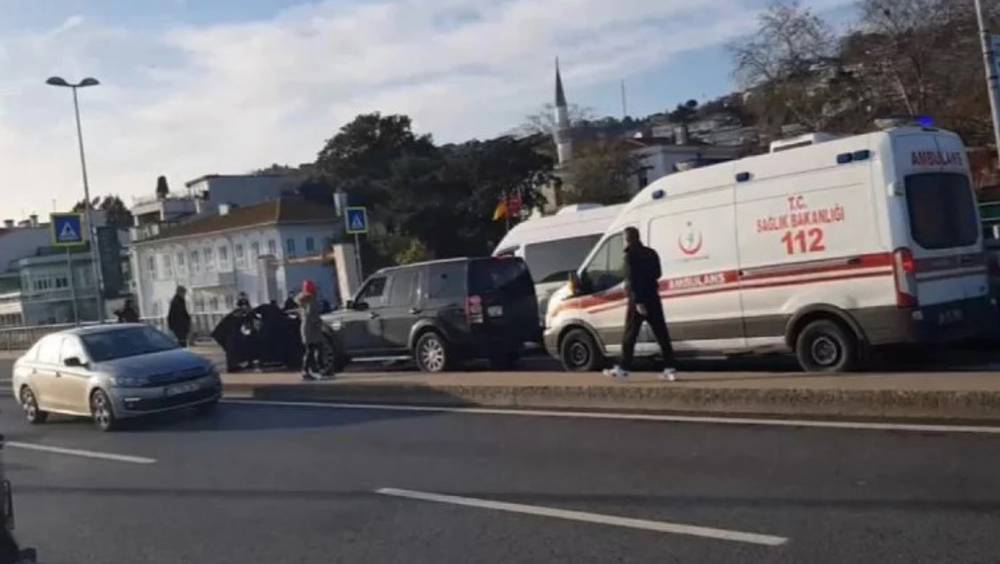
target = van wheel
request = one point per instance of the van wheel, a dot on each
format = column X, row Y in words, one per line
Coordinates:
column 29, row 404
column 431, row 353
column 825, row 346
column 579, row 352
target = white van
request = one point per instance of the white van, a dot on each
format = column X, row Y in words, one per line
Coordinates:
column 824, row 248
column 554, row 246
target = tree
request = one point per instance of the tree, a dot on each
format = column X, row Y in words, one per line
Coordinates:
column 782, row 63
column 601, row 172
column 922, row 57
column 162, row 190
column 544, row 120
column 117, row 214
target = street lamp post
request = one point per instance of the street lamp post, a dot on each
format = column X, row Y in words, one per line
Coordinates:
column 87, row 208
column 990, row 59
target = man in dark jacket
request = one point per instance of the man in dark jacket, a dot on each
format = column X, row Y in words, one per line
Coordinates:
column 178, row 319
column 128, row 313
column 642, row 284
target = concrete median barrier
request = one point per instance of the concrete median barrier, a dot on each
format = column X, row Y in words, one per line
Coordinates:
column 918, row 402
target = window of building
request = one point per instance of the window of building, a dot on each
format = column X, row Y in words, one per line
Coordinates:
column 229, row 301
column 209, row 257
column 272, row 247
column 168, row 267
column 195, row 262
column 180, row 260
column 310, row 245
column 213, row 303
column 83, row 274
column 241, row 259
column 62, row 282
column 151, row 266
column 290, row 247
column 254, row 251
column 224, row 257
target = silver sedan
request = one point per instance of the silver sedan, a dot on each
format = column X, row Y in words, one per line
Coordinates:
column 110, row 373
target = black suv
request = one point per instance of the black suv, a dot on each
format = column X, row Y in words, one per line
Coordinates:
column 439, row 313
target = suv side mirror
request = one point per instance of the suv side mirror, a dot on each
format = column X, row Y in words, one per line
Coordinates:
column 360, row 306
column 74, row 362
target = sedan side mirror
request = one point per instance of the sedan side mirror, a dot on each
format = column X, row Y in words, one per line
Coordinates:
column 74, row 362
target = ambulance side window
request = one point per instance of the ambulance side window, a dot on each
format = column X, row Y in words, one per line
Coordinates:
column 607, row 268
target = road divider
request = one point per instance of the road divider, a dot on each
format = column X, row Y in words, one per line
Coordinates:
column 958, row 397
column 661, row 418
column 587, row 517
column 82, row 453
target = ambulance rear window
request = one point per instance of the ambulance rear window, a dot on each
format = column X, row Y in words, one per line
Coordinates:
column 942, row 210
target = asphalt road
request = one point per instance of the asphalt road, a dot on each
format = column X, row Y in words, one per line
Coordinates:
column 265, row 484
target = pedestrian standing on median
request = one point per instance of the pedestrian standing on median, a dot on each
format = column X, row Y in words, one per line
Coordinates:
column 311, row 329
column 178, row 319
column 642, row 285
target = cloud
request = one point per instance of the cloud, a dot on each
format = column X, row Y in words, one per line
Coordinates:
column 188, row 100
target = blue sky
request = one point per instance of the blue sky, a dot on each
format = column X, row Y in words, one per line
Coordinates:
column 191, row 87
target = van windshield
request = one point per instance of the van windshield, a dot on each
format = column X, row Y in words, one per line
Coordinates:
column 558, row 257
column 942, row 210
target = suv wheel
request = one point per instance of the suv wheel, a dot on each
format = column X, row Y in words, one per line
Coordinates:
column 825, row 346
column 30, row 406
column 431, row 353
column 579, row 352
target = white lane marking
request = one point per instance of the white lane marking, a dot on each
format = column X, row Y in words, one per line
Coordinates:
column 854, row 425
column 587, row 517
column 83, row 453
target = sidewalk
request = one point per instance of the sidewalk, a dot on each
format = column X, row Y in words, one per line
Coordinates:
column 954, row 396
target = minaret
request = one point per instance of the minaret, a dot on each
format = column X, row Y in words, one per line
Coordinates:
column 562, row 134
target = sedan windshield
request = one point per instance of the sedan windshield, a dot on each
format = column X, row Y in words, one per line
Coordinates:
column 120, row 343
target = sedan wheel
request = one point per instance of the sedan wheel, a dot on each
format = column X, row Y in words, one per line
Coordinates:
column 29, row 404
column 103, row 413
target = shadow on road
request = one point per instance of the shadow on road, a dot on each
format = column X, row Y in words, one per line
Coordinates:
column 592, row 501
column 233, row 416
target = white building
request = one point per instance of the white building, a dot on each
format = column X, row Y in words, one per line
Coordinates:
column 48, row 290
column 265, row 250
column 661, row 157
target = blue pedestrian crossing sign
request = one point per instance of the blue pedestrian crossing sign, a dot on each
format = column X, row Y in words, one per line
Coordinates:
column 357, row 220
column 67, row 229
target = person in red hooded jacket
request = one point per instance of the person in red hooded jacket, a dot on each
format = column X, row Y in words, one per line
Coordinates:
column 311, row 330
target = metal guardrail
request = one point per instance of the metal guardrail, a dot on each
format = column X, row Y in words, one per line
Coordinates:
column 23, row 337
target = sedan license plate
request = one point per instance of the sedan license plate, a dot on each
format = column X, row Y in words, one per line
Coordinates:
column 179, row 389
column 495, row 311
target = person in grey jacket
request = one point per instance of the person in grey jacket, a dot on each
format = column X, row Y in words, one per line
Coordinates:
column 311, row 329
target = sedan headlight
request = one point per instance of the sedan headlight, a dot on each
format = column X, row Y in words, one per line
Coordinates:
column 129, row 381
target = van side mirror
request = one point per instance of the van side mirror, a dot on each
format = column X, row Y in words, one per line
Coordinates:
column 74, row 362
column 574, row 284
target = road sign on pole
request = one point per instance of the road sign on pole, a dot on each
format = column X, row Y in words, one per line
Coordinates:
column 356, row 223
column 357, row 220
column 67, row 229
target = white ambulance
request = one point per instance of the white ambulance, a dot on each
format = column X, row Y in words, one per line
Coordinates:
column 825, row 247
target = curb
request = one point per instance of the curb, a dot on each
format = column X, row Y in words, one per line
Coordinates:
column 805, row 403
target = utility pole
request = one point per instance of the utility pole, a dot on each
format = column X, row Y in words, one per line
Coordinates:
column 624, row 101
column 992, row 70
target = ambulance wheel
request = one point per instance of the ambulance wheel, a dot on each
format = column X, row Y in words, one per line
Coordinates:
column 826, row 346
column 579, row 353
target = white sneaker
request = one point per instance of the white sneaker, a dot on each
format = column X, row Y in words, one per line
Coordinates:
column 669, row 375
column 616, row 373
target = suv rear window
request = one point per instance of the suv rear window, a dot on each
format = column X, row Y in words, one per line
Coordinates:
column 942, row 210
column 508, row 275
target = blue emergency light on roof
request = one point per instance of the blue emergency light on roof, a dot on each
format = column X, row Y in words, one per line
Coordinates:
column 925, row 121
